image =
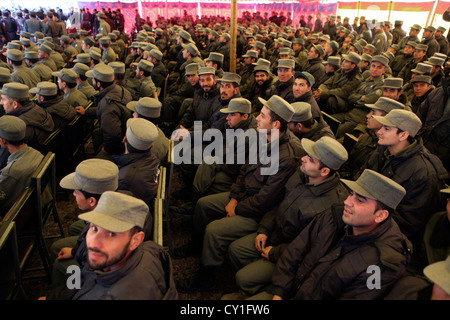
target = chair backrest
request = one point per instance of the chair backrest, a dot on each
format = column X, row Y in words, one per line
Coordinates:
column 332, row 122
column 25, row 218
column 23, row 212
column 10, row 276
column 349, row 142
column 53, row 141
column 44, row 181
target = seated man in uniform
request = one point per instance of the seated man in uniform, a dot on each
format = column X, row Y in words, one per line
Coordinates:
column 312, row 189
column 329, row 259
column 230, row 215
column 67, row 82
column 22, row 162
column 120, row 265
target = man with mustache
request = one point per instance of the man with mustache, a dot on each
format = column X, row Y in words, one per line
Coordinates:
column 261, row 86
column 120, row 265
column 210, row 116
column 91, row 178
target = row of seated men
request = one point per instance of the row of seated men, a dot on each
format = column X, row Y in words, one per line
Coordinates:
column 242, row 192
column 217, row 191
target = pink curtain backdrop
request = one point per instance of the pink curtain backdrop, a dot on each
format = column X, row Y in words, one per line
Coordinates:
column 155, row 9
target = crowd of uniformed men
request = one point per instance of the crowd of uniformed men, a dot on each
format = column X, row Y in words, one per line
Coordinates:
column 310, row 229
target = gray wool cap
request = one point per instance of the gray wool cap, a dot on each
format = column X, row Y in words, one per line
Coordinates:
column 104, row 40
column 101, row 72
column 14, row 54
column 95, row 54
column 386, row 104
column 30, row 54
column 352, row 57
column 215, row 56
column 141, row 133
column 285, row 51
column 375, row 186
column 319, row 49
column 238, row 105
column 421, row 78
column 82, row 58
column 251, row 54
column 307, row 76
column 280, row 106
column 335, row 61
column 67, row 75
column 302, row 111
column 262, row 62
column 12, row 128
column 117, row 212
column 421, row 46
column 260, row 45
column 435, row 61
column 65, row 39
column 80, row 68
column 439, row 273
column 286, row 63
column 230, row 77
column 89, row 41
column 192, row 48
column 118, row 66
column 328, row 150
column 94, row 176
column 370, row 47
column 147, row 107
column 145, row 65
column 206, row 70
column 5, row 75
column 381, row 59
column 393, row 83
column 423, row 68
column 25, row 41
column 15, row 90
column 191, row 69
column 45, row 88
column 13, row 45
column 402, row 119
column 157, row 54
column 185, row 35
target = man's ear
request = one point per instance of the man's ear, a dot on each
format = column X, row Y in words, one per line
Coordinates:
column 136, row 240
column 381, row 215
column 404, row 135
column 92, row 202
column 325, row 171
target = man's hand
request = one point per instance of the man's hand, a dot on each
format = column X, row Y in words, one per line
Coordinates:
column 80, row 110
column 265, row 252
column 65, row 253
column 260, row 242
column 317, row 94
column 275, row 297
column 230, row 207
